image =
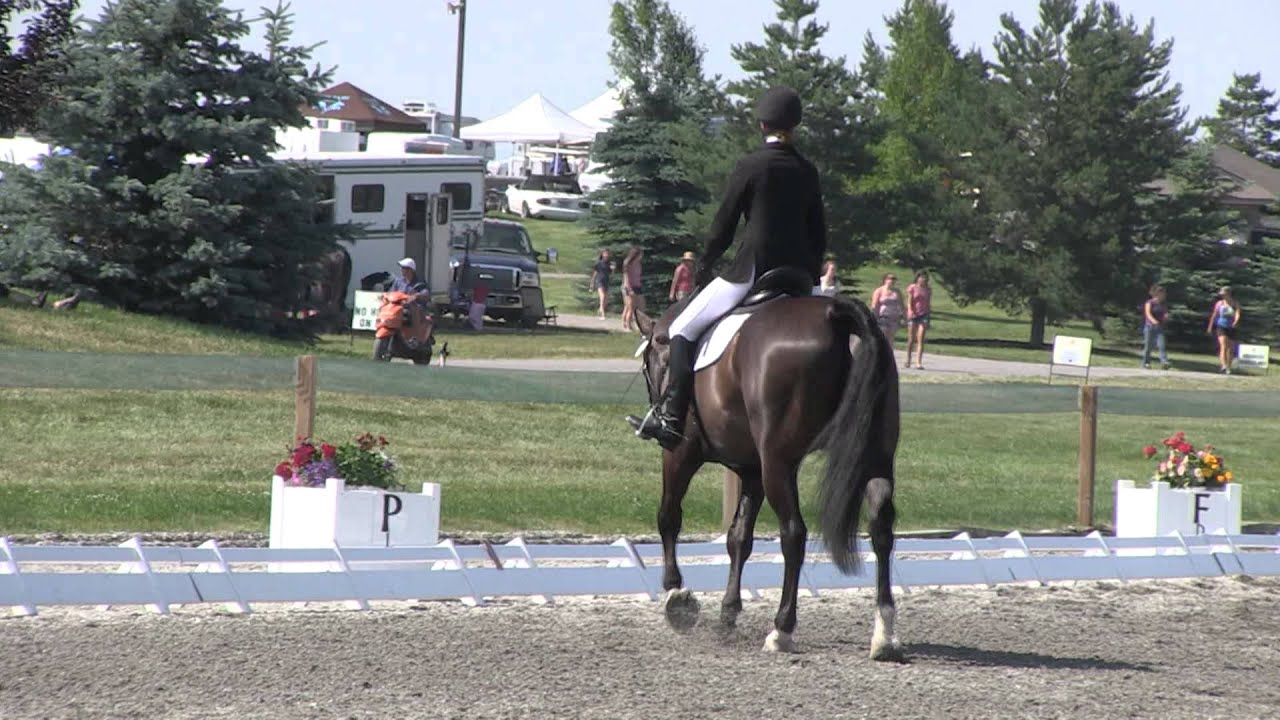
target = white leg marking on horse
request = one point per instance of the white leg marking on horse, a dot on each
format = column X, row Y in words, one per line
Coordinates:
column 780, row 642
column 884, row 641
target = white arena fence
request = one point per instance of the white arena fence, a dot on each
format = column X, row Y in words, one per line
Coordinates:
column 164, row 577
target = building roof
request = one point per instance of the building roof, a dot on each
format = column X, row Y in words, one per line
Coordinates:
column 345, row 101
column 1253, row 174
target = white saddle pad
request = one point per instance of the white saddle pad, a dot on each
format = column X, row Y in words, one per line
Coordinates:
column 713, row 342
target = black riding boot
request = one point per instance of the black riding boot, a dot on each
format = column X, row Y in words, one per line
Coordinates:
column 665, row 421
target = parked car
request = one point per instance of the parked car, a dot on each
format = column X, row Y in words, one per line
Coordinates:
column 495, row 188
column 547, row 196
column 502, row 258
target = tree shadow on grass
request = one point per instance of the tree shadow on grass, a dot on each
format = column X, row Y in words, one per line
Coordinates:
column 1001, row 658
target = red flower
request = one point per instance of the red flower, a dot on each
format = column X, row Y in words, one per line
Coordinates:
column 1185, row 448
column 303, row 455
column 382, row 441
column 284, row 471
column 1149, row 451
column 328, row 451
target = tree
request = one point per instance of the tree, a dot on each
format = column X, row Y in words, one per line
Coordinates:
column 1247, row 119
column 30, row 63
column 931, row 99
column 838, row 127
column 1084, row 122
column 167, row 199
column 666, row 108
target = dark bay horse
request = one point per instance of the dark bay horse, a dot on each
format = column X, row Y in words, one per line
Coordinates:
column 787, row 385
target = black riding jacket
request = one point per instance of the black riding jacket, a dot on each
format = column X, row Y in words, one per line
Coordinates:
column 777, row 191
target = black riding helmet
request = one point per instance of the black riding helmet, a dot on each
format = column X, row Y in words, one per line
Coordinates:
column 779, row 108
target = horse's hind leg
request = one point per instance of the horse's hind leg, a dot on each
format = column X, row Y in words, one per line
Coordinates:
column 780, row 487
column 740, row 540
column 881, row 514
column 678, row 467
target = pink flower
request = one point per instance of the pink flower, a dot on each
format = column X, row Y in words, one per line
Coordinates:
column 1149, row 451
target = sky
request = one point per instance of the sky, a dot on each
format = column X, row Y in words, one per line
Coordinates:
column 405, row 49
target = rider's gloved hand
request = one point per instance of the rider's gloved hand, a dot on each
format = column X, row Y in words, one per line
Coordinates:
column 702, row 275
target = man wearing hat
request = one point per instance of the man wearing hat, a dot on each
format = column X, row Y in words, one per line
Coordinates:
column 777, row 191
column 682, row 280
column 409, row 283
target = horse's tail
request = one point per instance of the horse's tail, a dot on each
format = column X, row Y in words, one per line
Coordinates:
column 846, row 438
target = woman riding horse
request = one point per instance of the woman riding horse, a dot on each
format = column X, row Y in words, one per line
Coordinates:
column 777, row 190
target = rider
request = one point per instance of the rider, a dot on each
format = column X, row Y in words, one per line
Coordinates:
column 777, row 191
column 409, row 283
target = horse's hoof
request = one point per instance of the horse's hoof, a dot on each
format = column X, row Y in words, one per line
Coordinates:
column 681, row 609
column 888, row 652
column 780, row 642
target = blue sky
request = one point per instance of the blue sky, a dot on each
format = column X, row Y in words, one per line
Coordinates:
column 403, row 49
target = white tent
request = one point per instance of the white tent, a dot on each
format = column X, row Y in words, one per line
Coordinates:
column 599, row 112
column 535, row 120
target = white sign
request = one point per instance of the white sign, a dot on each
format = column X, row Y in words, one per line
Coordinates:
column 365, row 314
column 1074, row 351
column 1254, row 356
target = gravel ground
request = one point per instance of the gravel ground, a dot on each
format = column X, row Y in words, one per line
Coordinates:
column 1170, row 649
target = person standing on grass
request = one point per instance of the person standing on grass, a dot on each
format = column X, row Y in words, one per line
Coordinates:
column 682, row 279
column 600, row 279
column 1154, row 314
column 828, row 284
column 632, row 286
column 1222, row 323
column 919, row 306
column 886, row 305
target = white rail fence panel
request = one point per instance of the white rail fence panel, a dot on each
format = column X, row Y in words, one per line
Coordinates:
column 163, row 577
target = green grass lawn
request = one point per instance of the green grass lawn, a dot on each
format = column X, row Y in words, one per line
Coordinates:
column 88, row 461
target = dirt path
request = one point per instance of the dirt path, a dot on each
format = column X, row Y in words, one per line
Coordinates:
column 1184, row 649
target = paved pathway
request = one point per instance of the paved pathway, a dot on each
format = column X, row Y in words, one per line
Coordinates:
column 946, row 364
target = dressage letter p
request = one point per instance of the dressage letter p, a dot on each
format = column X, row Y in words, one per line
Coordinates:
column 387, row 512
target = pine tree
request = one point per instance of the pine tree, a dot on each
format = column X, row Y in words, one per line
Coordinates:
column 31, row 64
column 1083, row 123
column 666, row 108
column 838, row 127
column 152, row 208
column 1247, row 119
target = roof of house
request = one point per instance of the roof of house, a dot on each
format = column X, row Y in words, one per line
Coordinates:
column 345, row 101
column 1254, row 175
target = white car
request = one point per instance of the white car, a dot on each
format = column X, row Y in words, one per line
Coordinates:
column 546, row 196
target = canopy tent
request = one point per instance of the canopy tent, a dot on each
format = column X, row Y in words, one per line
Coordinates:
column 536, row 120
column 599, row 112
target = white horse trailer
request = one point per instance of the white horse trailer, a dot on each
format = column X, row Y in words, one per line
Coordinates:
column 410, row 205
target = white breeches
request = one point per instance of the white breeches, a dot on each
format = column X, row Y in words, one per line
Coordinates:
column 712, row 303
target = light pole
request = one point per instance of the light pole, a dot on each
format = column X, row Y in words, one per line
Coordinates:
column 459, row 8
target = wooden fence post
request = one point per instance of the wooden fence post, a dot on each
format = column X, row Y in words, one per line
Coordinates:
column 729, row 503
column 304, row 416
column 1088, row 454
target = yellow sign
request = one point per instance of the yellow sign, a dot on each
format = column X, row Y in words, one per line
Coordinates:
column 364, row 316
column 1074, row 351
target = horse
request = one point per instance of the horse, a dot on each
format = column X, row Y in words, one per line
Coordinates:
column 803, row 373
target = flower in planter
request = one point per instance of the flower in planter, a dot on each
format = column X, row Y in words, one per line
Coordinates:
column 1181, row 465
column 362, row 462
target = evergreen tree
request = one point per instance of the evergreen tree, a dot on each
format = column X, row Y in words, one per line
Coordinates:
column 1247, row 119
column 838, row 127
column 151, row 208
column 30, row 64
column 666, row 108
column 1083, row 123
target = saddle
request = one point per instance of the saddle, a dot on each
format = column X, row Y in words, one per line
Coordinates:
column 777, row 283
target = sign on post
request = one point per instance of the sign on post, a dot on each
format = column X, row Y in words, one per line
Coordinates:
column 1073, row 352
column 365, row 314
column 1254, row 356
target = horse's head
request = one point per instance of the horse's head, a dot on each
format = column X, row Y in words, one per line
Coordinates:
column 655, row 348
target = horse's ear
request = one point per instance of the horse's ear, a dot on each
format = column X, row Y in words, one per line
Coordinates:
column 645, row 323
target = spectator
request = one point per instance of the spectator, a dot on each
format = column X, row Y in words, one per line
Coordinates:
column 600, row 279
column 1154, row 314
column 409, row 283
column 479, row 303
column 886, row 305
column 682, row 279
column 828, row 284
column 632, row 286
column 919, row 307
column 1222, row 323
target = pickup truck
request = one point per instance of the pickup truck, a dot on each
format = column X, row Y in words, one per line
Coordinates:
column 502, row 258
column 557, row 197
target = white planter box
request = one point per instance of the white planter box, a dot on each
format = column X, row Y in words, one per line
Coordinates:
column 316, row 517
column 1159, row 510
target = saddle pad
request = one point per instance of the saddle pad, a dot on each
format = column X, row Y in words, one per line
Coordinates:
column 715, row 340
